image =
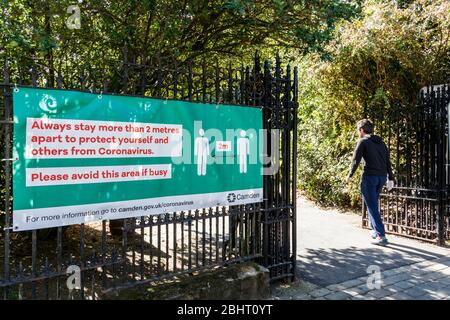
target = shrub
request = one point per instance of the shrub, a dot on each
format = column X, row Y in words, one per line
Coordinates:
column 377, row 60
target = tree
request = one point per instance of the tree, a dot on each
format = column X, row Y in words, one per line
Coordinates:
column 175, row 30
column 380, row 59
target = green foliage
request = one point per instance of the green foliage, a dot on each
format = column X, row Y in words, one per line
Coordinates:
column 384, row 57
column 182, row 30
column 323, row 143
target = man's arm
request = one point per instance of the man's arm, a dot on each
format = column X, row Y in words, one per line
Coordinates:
column 357, row 156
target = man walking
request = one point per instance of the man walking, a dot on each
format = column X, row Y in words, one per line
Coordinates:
column 376, row 170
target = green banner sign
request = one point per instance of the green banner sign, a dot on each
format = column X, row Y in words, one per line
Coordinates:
column 82, row 157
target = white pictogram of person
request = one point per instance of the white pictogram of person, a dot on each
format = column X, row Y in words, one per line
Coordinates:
column 201, row 150
column 243, row 149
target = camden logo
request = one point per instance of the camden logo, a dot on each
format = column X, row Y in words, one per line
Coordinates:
column 231, row 197
column 48, row 104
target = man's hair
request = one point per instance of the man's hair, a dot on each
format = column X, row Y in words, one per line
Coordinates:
column 366, row 125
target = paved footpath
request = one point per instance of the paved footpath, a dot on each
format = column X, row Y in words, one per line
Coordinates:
column 336, row 261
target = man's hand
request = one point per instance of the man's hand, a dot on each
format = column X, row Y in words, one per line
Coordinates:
column 390, row 184
column 347, row 179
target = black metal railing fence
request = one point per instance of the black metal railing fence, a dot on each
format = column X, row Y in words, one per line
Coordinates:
column 418, row 140
column 124, row 253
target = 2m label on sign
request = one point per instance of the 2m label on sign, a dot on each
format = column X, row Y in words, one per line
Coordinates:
column 223, row 146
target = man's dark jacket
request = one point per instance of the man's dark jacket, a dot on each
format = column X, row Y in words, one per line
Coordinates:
column 375, row 155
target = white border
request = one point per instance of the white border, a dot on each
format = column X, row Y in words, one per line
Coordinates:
column 130, row 208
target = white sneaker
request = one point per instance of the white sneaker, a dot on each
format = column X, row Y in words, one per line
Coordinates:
column 381, row 241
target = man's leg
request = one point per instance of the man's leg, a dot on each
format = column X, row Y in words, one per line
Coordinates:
column 369, row 190
column 381, row 183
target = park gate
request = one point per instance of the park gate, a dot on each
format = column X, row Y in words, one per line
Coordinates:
column 132, row 252
column 418, row 139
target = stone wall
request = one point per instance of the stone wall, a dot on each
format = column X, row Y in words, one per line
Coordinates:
column 245, row 281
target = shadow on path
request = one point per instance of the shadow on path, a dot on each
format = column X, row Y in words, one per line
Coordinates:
column 330, row 266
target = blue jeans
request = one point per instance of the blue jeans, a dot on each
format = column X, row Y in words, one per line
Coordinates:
column 370, row 189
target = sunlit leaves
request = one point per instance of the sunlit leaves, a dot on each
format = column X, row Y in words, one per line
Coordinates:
column 383, row 58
